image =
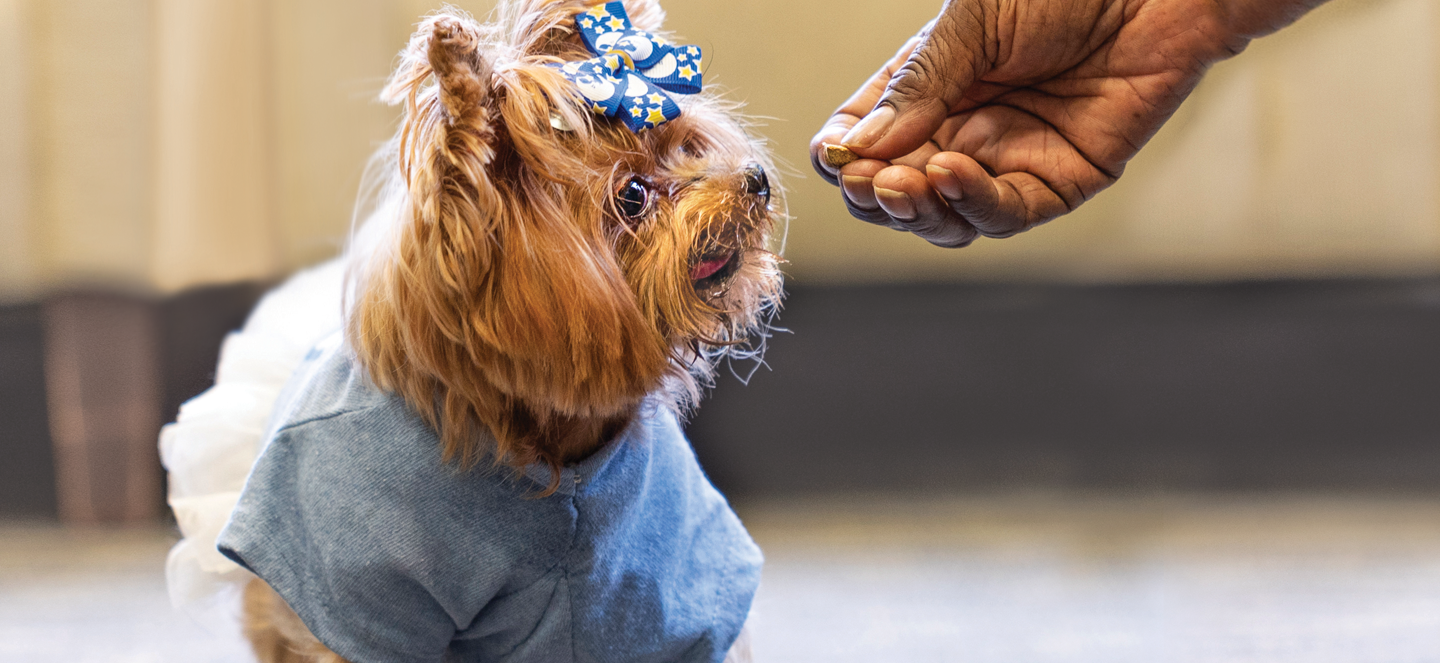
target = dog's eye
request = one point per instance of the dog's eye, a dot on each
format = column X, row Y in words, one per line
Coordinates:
column 756, row 182
column 633, row 199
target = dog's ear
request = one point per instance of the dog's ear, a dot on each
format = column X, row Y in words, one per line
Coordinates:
column 447, row 46
column 462, row 73
column 448, row 125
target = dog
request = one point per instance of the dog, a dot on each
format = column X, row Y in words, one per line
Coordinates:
column 486, row 464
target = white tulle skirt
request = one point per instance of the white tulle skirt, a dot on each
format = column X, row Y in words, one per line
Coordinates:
column 210, row 448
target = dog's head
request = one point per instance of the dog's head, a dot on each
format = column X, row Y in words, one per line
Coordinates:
column 540, row 267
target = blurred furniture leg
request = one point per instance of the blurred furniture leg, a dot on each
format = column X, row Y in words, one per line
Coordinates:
column 103, row 383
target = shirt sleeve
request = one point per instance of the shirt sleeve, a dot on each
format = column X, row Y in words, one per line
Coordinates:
column 320, row 523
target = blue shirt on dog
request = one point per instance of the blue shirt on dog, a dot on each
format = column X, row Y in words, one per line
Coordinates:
column 389, row 554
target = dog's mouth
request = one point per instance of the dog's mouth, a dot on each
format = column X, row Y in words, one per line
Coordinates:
column 713, row 269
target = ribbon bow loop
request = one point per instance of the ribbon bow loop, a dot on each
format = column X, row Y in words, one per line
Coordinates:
column 632, row 69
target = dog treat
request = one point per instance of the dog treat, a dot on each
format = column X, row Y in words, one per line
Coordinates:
column 837, row 156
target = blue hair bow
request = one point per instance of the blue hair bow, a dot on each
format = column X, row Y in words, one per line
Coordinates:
column 632, row 69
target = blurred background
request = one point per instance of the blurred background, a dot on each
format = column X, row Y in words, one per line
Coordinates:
column 1195, row 420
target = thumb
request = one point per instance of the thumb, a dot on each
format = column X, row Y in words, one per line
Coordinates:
column 924, row 89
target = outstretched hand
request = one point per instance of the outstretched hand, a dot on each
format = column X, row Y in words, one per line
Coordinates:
column 1001, row 115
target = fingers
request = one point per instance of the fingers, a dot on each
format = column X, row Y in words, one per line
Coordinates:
column 924, row 89
column 857, row 184
column 901, row 197
column 947, row 198
column 995, row 206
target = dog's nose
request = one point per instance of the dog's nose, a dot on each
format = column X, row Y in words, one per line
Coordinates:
column 756, row 182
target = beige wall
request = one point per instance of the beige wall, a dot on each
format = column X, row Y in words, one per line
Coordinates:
column 214, row 212
column 77, row 180
column 158, row 144
column 152, row 145
column 16, row 268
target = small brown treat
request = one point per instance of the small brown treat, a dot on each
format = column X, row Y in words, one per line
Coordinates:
column 837, row 156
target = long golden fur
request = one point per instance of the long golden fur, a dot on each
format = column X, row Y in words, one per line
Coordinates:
column 504, row 293
column 510, row 296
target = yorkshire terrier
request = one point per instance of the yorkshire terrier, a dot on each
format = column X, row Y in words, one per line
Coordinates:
column 486, row 464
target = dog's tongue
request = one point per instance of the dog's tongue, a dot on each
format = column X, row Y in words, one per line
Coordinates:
column 708, row 267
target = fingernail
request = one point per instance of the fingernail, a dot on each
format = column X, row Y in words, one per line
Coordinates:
column 860, row 191
column 870, row 129
column 895, row 203
column 945, row 181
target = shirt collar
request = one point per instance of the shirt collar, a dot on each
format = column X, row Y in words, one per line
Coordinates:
column 573, row 477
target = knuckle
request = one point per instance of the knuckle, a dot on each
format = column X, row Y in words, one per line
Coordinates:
column 999, row 228
column 875, row 216
column 935, row 66
column 916, row 76
column 953, row 243
column 948, row 232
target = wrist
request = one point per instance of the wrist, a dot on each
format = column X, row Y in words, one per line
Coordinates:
column 1250, row 19
column 1207, row 31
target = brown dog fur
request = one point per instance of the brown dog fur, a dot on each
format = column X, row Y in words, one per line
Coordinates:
column 508, row 293
column 276, row 633
column 509, row 297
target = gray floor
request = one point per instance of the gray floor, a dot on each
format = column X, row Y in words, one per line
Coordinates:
column 1013, row 579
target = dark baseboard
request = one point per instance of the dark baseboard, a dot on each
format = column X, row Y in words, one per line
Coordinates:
column 1252, row 386
column 27, row 474
column 190, row 327
column 193, row 324
column 1291, row 385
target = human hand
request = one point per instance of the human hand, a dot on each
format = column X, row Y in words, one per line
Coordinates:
column 1001, row 115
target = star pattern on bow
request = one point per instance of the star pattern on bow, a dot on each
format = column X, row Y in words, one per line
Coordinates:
column 632, row 70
